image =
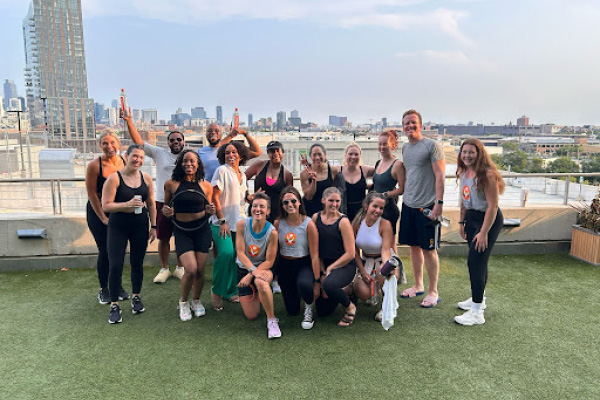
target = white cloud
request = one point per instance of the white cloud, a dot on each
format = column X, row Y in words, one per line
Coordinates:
column 449, row 57
column 348, row 14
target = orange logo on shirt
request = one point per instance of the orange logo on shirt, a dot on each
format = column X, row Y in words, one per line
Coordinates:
column 466, row 192
column 290, row 239
column 253, row 250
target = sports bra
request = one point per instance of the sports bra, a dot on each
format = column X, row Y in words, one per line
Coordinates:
column 368, row 238
column 187, row 199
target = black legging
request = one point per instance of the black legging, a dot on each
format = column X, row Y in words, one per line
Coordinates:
column 100, row 232
column 392, row 213
column 333, row 286
column 296, row 281
column 478, row 262
column 124, row 227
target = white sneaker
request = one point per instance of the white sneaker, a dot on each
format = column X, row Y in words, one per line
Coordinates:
column 466, row 305
column 470, row 318
column 379, row 316
column 178, row 273
column 276, row 288
column 198, row 308
column 273, row 329
column 185, row 314
column 308, row 321
column 162, row 275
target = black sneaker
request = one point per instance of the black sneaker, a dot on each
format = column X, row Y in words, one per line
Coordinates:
column 123, row 295
column 103, row 296
column 115, row 314
column 136, row 305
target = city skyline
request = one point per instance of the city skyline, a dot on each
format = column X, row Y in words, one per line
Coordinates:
column 455, row 61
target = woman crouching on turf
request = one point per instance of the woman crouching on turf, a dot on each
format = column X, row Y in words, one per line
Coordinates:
column 374, row 239
column 128, row 196
column 336, row 253
column 256, row 246
column 299, row 269
column 480, row 221
column 189, row 193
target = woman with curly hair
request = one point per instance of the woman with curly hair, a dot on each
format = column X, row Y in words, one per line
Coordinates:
column 187, row 202
column 480, row 221
column 229, row 192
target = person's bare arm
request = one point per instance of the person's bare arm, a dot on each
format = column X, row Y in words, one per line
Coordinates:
column 151, row 205
column 398, row 174
column 254, row 150
column 109, row 192
column 349, row 247
column 133, row 132
column 492, row 196
column 288, row 177
column 255, row 168
column 271, row 252
column 439, row 170
column 308, row 182
column 387, row 239
column 91, row 177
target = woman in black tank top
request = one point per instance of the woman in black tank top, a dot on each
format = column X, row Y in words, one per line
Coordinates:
column 97, row 172
column 352, row 181
column 186, row 202
column 316, row 178
column 336, row 252
column 271, row 177
column 129, row 198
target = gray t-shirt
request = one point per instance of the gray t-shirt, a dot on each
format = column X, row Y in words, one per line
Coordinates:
column 165, row 163
column 419, row 187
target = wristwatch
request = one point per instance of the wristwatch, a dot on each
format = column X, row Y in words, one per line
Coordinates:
column 222, row 221
column 252, row 269
column 317, row 280
column 439, row 202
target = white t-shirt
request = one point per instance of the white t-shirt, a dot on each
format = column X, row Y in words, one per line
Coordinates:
column 165, row 163
column 232, row 195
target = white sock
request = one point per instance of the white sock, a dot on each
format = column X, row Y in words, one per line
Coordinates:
column 164, row 269
column 178, row 267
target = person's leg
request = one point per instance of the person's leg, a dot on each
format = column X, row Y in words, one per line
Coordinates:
column 199, row 278
column 163, row 234
column 289, row 290
column 188, row 259
column 100, row 234
column 265, row 294
column 478, row 262
column 224, row 266
column 250, row 305
column 138, row 243
column 305, row 281
column 116, row 244
column 432, row 264
column 333, row 286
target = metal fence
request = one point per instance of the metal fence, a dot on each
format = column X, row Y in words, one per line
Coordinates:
column 64, row 196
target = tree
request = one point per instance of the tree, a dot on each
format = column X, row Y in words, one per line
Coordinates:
column 516, row 160
column 509, row 147
column 497, row 159
column 536, row 165
column 591, row 166
column 564, row 165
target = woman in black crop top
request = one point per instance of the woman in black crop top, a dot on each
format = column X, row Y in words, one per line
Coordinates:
column 187, row 194
column 128, row 196
column 352, row 181
column 316, row 178
column 336, row 253
column 97, row 171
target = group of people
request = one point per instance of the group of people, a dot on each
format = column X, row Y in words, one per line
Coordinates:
column 325, row 247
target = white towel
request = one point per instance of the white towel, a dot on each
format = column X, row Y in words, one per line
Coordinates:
column 390, row 302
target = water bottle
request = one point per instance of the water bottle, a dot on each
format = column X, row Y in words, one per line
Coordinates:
column 125, row 104
column 138, row 210
column 236, row 119
column 441, row 219
column 390, row 265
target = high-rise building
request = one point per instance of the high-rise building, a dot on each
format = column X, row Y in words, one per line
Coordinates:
column 137, row 115
column 55, row 71
column 523, row 121
column 295, row 114
column 198, row 112
column 334, row 120
column 281, row 120
column 98, row 111
column 150, row 116
column 384, row 122
column 10, row 91
column 219, row 115
column 250, row 120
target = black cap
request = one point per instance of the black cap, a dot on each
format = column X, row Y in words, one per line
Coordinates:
column 274, row 144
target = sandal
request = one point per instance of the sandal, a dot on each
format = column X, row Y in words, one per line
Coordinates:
column 216, row 302
column 234, row 299
column 347, row 320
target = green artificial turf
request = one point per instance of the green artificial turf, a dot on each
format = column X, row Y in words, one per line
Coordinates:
column 540, row 341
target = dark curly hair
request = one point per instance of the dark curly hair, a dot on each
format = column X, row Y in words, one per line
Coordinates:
column 178, row 172
column 240, row 147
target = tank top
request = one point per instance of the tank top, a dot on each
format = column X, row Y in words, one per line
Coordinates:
column 472, row 198
column 331, row 244
column 255, row 243
column 384, row 182
column 126, row 193
column 353, row 194
column 368, row 239
column 101, row 179
column 293, row 240
column 315, row 205
column 185, row 200
column 273, row 191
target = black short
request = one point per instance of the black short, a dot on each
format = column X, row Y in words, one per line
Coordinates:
column 247, row 290
column 414, row 230
column 197, row 240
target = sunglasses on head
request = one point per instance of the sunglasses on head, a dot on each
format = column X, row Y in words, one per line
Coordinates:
column 286, row 202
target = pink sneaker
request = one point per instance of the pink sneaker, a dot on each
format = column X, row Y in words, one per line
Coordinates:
column 273, row 328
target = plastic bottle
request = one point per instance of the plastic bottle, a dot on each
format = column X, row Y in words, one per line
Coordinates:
column 443, row 220
column 125, row 103
column 236, row 119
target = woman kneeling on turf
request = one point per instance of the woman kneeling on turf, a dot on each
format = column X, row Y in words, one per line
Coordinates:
column 374, row 239
column 256, row 246
column 187, row 194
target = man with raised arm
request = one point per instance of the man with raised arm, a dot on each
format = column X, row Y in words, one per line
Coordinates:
column 423, row 160
column 165, row 162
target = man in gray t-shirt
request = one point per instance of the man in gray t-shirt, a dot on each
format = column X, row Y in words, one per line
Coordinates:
column 423, row 160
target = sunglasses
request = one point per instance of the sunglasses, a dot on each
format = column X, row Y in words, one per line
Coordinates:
column 175, row 140
column 293, row 201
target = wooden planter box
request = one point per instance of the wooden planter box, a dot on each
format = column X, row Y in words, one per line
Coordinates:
column 585, row 245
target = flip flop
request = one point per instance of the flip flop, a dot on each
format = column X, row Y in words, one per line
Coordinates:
column 347, row 319
column 428, row 304
column 411, row 292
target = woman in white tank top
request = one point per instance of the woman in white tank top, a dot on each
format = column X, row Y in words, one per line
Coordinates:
column 374, row 239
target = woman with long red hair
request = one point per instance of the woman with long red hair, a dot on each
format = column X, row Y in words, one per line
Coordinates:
column 480, row 221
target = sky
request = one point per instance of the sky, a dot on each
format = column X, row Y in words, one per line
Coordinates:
column 455, row 61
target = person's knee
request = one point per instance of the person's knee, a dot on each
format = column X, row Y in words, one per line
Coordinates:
column 262, row 286
column 328, row 285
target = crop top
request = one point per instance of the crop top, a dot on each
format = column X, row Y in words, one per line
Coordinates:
column 368, row 239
